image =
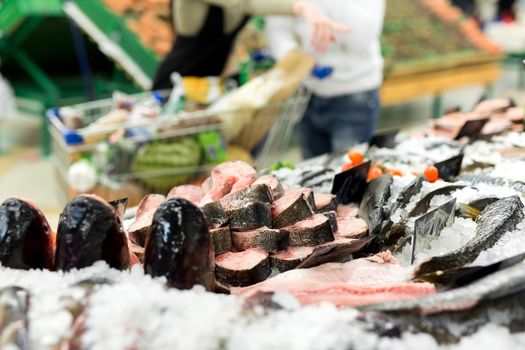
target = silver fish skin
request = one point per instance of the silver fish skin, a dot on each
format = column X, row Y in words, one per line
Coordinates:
column 498, row 285
column 483, row 178
column 14, row 322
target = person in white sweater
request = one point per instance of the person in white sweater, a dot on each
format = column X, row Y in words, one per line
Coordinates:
column 344, row 108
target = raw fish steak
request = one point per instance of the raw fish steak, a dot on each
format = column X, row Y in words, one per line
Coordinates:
column 227, row 177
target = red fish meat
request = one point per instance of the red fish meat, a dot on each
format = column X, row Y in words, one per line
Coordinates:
column 351, row 227
column 191, row 193
column 226, row 178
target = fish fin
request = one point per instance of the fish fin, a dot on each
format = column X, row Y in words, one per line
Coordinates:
column 468, row 211
column 120, row 206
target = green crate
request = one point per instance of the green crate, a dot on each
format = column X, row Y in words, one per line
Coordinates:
column 14, row 12
column 108, row 29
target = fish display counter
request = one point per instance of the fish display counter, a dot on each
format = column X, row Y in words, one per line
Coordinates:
column 417, row 242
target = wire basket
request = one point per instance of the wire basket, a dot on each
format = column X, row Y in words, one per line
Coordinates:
column 177, row 149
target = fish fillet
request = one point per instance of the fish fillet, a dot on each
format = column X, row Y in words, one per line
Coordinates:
column 359, row 282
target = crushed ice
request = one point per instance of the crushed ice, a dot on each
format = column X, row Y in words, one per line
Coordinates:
column 450, row 239
column 139, row 312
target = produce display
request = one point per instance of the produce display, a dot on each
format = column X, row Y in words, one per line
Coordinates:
column 423, row 32
column 419, row 244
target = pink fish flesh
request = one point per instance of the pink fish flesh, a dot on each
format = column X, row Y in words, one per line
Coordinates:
column 226, row 178
column 189, row 192
column 372, row 280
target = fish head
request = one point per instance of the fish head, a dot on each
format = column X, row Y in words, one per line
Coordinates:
column 179, row 246
column 25, row 236
column 90, row 230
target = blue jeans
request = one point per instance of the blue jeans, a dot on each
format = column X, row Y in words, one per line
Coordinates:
column 334, row 124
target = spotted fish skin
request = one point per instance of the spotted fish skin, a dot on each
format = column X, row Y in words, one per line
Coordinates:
column 179, row 246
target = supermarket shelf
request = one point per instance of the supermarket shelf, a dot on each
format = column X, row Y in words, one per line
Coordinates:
column 114, row 39
column 409, row 87
column 440, row 63
column 421, row 35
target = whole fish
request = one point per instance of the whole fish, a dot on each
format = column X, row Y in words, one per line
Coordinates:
column 14, row 322
column 26, row 240
column 462, row 311
column 465, row 275
column 395, row 235
column 497, row 219
column 483, row 178
column 179, row 246
column 90, row 230
column 76, row 303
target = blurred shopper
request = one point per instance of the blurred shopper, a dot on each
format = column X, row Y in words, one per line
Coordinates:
column 507, row 9
column 487, row 11
column 345, row 106
column 467, row 6
column 206, row 31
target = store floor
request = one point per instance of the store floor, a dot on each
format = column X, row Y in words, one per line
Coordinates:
column 24, row 173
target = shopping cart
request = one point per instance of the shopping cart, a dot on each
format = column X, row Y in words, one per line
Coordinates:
column 260, row 136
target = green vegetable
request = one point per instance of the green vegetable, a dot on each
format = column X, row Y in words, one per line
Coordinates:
column 161, row 165
column 280, row 165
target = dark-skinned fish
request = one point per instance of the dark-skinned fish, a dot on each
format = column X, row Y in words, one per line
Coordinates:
column 496, row 220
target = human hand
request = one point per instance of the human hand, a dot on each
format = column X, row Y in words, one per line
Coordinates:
column 322, row 27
